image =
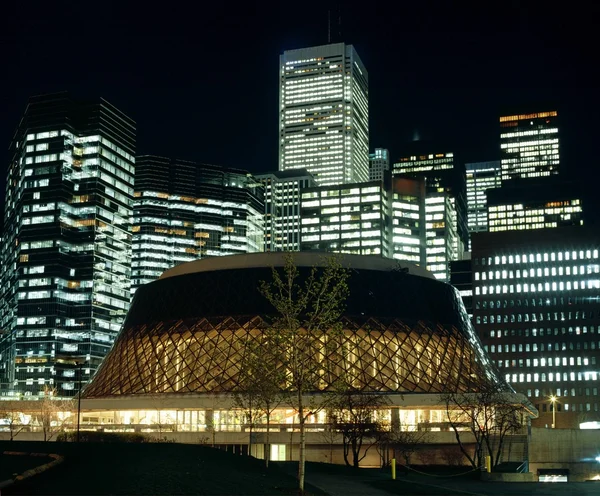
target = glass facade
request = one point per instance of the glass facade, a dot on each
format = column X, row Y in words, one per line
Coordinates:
column 66, row 249
column 185, row 211
column 324, row 113
column 536, row 306
column 529, row 145
column 282, row 207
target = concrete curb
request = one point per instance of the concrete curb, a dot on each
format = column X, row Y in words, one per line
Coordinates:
column 56, row 460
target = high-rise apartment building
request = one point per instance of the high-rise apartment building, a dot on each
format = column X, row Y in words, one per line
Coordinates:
column 66, row 248
column 379, row 164
column 529, row 145
column 185, row 211
column 536, row 306
column 351, row 218
column 481, row 176
column 324, row 113
column 542, row 203
column 282, row 207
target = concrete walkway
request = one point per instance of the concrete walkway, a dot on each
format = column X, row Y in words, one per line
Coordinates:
column 338, row 485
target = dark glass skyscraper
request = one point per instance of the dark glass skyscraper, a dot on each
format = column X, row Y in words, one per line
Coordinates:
column 185, row 211
column 66, row 248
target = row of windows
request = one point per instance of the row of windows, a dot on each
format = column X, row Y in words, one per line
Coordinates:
column 565, row 376
column 538, row 257
column 539, row 272
column 538, row 288
column 535, row 317
column 537, row 302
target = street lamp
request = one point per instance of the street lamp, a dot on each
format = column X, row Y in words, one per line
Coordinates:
column 553, row 401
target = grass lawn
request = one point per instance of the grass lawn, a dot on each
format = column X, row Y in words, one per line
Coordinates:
column 150, row 469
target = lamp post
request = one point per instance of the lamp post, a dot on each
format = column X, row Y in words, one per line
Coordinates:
column 553, row 402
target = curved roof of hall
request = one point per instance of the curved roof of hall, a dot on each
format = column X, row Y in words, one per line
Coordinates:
column 301, row 259
column 229, row 285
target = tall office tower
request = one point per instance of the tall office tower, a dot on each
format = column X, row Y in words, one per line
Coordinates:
column 529, row 145
column 408, row 220
column 282, row 207
column 536, row 307
column 324, row 114
column 66, row 250
column 534, row 204
column 481, row 176
column 443, row 244
column 185, row 211
column 351, row 218
column 444, row 173
column 379, row 164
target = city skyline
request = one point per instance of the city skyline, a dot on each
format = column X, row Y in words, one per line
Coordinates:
column 436, row 78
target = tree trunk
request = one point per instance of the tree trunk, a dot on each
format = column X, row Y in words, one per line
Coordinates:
column 302, row 454
column 355, row 453
column 267, row 446
column 250, row 440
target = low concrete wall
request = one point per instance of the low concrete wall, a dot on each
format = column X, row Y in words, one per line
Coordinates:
column 572, row 449
column 499, row 477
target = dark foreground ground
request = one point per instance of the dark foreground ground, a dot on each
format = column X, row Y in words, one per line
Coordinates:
column 149, row 469
column 180, row 469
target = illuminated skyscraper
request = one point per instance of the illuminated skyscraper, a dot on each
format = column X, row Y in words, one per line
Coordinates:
column 351, row 218
column 324, row 113
column 66, row 250
column 185, row 211
column 529, row 145
column 536, row 308
column 481, row 176
column 542, row 203
column 408, row 239
column 282, row 207
column 445, row 205
column 379, row 163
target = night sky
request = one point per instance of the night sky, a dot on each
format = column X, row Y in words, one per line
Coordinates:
column 202, row 82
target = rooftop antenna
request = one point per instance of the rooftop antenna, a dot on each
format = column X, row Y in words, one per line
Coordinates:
column 329, row 26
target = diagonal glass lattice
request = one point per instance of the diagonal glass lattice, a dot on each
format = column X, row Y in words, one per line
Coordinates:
column 402, row 333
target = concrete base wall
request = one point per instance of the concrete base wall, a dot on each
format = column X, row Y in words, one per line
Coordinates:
column 572, row 449
column 496, row 477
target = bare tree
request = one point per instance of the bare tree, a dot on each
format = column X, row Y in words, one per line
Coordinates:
column 401, row 443
column 11, row 413
column 355, row 416
column 330, row 436
column 406, row 443
column 54, row 413
column 308, row 310
column 259, row 390
column 489, row 414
